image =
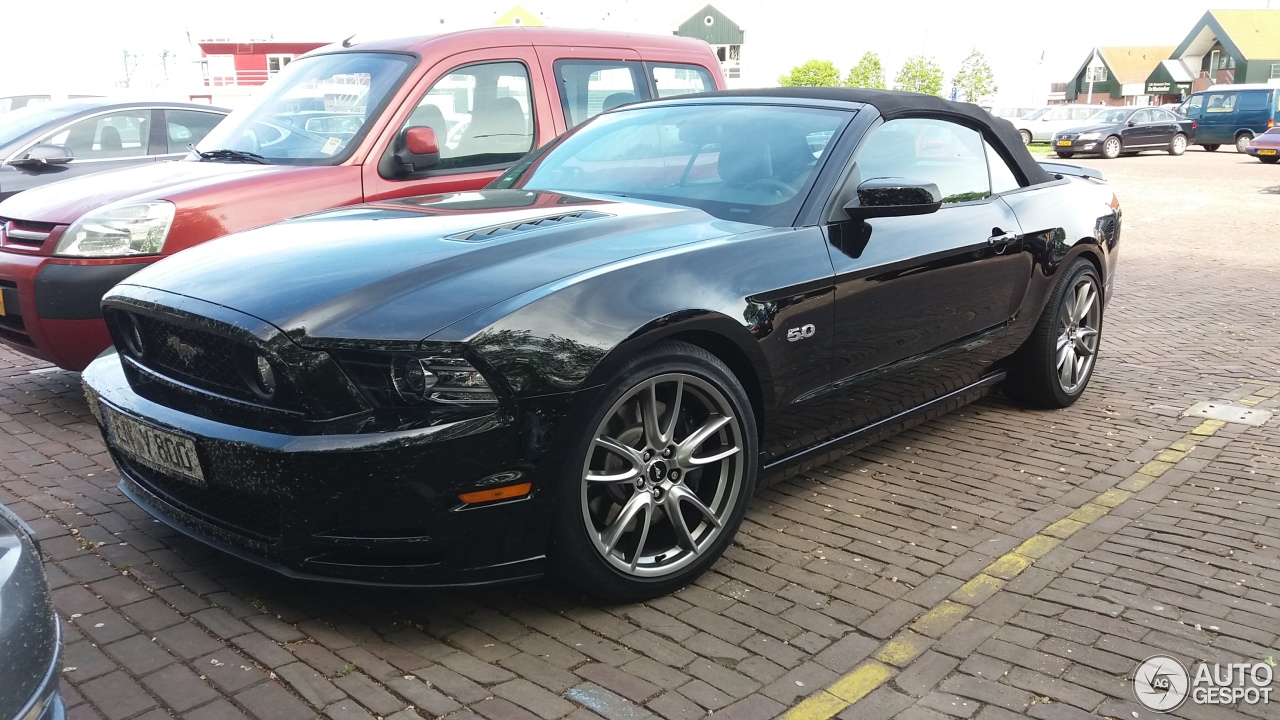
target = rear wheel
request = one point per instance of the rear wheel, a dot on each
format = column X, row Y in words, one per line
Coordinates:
column 1111, row 148
column 1178, row 144
column 1053, row 367
column 1211, row 147
column 1065, row 154
column 1242, row 142
column 661, row 479
column 1026, row 136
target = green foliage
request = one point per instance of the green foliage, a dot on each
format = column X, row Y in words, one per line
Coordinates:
column 975, row 80
column 814, row 73
column 919, row 74
column 868, row 73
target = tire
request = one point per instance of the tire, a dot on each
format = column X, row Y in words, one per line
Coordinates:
column 1111, row 148
column 1063, row 333
column 1211, row 148
column 1178, row 144
column 1026, row 136
column 1270, row 160
column 697, row 464
column 1242, row 142
column 1065, row 155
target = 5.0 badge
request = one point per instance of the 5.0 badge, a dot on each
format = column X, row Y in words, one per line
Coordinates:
column 802, row 332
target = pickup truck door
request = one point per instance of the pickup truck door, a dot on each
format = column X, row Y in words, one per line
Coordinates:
column 488, row 108
column 922, row 301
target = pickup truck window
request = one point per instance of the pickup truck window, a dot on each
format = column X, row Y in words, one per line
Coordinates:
column 671, row 80
column 482, row 115
column 589, row 87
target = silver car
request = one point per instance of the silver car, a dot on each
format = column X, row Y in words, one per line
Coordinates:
column 1040, row 125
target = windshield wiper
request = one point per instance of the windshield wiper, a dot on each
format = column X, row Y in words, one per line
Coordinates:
column 232, row 155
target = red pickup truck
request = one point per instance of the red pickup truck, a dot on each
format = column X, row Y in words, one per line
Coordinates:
column 338, row 126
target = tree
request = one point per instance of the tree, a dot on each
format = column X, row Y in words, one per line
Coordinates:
column 868, row 73
column 919, row 74
column 814, row 73
column 975, row 80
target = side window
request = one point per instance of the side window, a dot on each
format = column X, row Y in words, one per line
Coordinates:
column 672, row 80
column 1254, row 100
column 482, row 115
column 1193, row 106
column 1220, row 103
column 944, row 153
column 1142, row 116
column 188, row 127
column 589, row 87
column 1002, row 178
column 114, row 135
column 1061, row 113
column 1082, row 113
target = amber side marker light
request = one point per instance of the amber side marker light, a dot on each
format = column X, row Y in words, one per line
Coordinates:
column 502, row 493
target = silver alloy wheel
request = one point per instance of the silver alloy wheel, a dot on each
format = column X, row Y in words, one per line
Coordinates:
column 1111, row 147
column 663, row 475
column 1242, row 142
column 1079, row 325
column 1179, row 144
column 1026, row 137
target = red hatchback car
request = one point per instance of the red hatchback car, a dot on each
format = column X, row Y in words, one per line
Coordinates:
column 338, row 126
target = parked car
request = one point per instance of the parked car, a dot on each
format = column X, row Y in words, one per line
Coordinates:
column 30, row 637
column 1009, row 113
column 1266, row 147
column 9, row 103
column 1126, row 131
column 41, row 144
column 386, row 103
column 1040, row 125
column 1232, row 114
column 588, row 363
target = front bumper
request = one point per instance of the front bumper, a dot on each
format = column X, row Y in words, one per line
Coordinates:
column 1257, row 151
column 1076, row 146
column 377, row 508
column 52, row 306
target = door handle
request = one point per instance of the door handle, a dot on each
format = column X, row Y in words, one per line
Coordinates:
column 1000, row 238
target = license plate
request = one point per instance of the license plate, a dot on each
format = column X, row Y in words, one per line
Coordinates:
column 1, row 303
column 1064, row 143
column 1260, row 152
column 159, row 449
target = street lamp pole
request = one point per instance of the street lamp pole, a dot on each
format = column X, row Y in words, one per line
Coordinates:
column 1092, row 59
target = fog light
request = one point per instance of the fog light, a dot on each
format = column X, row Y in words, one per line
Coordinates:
column 133, row 337
column 266, row 376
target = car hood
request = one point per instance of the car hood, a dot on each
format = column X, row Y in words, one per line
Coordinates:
column 405, row 269
column 28, row 628
column 65, row 201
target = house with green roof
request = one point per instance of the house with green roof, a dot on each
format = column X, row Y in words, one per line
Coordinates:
column 1115, row 75
column 1226, row 47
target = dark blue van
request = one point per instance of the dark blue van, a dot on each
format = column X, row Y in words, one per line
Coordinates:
column 1232, row 114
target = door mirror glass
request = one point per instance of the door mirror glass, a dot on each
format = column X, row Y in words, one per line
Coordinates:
column 45, row 155
column 419, row 150
column 894, row 197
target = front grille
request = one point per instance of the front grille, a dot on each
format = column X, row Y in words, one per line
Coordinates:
column 28, row 234
column 190, row 355
column 247, row 514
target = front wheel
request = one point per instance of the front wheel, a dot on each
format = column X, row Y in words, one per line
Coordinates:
column 1212, row 147
column 1111, row 148
column 1242, row 142
column 1053, row 367
column 1269, row 159
column 660, row 480
column 1066, row 154
column 1178, row 144
column 1026, row 136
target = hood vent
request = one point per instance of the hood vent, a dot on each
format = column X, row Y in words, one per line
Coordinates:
column 497, row 231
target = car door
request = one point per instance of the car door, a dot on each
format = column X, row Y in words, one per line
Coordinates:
column 919, row 298
column 98, row 142
column 586, row 87
column 1136, row 131
column 1218, row 120
column 488, row 109
column 1163, row 127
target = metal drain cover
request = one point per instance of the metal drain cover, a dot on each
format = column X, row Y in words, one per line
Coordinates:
column 1227, row 412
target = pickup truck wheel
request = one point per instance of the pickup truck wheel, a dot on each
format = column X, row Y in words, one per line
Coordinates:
column 1054, row 365
column 1111, row 148
column 1178, row 144
column 660, row 479
column 1242, row 142
column 1026, row 136
column 1211, row 147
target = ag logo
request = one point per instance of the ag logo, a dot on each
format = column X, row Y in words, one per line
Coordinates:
column 1161, row 683
column 802, row 332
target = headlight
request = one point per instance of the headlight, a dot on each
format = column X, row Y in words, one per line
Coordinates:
column 1089, row 136
column 418, row 379
column 119, row 230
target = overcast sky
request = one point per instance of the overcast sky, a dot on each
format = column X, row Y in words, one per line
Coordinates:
column 83, row 50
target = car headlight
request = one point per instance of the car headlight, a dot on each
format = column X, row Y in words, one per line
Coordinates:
column 418, row 379
column 1089, row 136
column 119, row 230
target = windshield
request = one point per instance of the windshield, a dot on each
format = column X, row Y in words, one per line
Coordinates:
column 315, row 111
column 16, row 123
column 1110, row 116
column 748, row 163
column 1036, row 114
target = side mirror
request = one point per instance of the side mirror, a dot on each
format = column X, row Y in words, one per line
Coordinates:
column 41, row 155
column 418, row 150
column 893, row 197
column 1131, row 123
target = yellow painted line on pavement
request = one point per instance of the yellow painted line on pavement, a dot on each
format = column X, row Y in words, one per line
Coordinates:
column 905, row 646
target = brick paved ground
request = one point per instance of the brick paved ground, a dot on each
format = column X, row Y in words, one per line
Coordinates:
column 1101, row 540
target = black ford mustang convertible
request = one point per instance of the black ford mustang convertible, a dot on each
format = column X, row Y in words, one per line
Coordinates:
column 585, row 367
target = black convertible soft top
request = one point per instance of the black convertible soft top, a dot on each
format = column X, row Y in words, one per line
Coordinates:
column 894, row 104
